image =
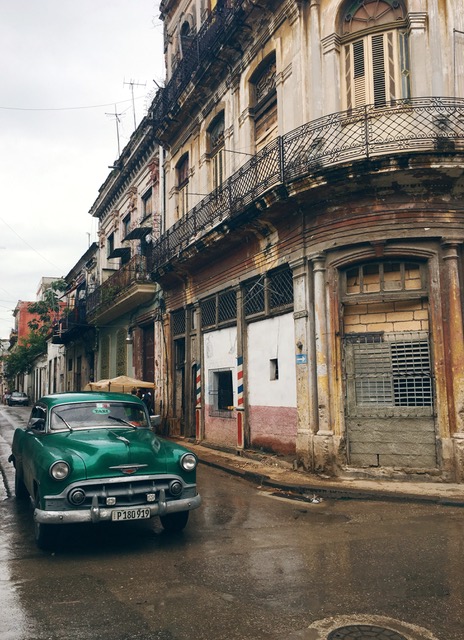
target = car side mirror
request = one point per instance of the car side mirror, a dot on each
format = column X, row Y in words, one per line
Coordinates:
column 37, row 423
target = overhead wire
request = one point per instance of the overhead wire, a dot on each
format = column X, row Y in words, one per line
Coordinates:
column 29, row 245
column 93, row 106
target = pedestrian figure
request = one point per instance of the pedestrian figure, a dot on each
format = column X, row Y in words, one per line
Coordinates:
column 148, row 401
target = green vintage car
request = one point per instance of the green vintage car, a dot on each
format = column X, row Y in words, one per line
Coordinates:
column 93, row 457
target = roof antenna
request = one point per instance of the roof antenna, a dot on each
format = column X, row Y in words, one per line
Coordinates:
column 116, row 115
column 133, row 84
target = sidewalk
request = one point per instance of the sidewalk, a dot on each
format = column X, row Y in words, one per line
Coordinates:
column 271, row 472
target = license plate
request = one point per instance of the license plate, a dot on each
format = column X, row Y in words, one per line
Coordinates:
column 130, row 514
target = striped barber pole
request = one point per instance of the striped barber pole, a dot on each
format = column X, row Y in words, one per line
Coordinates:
column 198, row 403
column 240, row 406
column 198, row 386
column 240, row 382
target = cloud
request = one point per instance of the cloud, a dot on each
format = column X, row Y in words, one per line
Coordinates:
column 56, row 57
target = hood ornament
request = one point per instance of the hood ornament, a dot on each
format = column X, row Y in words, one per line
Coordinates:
column 128, row 469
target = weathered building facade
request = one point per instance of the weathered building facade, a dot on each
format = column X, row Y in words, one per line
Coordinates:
column 124, row 303
column 76, row 335
column 311, row 255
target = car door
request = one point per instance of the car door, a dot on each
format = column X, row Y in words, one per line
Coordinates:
column 32, row 445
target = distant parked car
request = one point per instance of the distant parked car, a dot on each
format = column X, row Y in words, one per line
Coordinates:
column 18, row 398
column 94, row 457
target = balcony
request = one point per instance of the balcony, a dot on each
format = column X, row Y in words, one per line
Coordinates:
column 221, row 28
column 126, row 289
column 370, row 133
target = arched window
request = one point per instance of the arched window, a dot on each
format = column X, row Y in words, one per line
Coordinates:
column 265, row 102
column 216, row 150
column 375, row 60
column 182, row 184
column 186, row 38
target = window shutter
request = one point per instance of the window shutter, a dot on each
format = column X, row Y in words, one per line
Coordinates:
column 359, row 73
column 378, row 69
column 349, row 99
column 404, row 64
column 371, row 67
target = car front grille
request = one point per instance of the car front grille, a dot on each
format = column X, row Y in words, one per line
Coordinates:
column 127, row 493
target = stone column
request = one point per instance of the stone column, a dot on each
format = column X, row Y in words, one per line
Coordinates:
column 421, row 84
column 323, row 441
column 455, row 352
column 315, row 63
column 331, row 72
column 304, row 362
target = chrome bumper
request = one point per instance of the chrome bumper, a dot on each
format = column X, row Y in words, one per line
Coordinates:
column 101, row 514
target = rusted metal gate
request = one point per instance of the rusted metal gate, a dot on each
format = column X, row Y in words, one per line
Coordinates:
column 389, row 400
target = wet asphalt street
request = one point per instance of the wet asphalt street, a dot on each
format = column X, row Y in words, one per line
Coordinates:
column 249, row 565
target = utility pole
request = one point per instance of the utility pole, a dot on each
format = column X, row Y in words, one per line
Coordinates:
column 133, row 84
column 116, row 115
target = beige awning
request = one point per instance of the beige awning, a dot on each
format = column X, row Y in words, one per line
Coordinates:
column 120, row 384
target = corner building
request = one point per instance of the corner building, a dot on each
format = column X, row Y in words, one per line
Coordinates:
column 311, row 258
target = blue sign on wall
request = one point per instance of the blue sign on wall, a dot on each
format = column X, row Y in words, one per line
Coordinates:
column 301, row 358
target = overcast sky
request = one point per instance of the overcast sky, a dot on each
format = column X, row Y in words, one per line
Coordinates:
column 64, row 65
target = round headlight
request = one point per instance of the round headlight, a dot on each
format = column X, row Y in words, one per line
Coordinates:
column 59, row 470
column 188, row 462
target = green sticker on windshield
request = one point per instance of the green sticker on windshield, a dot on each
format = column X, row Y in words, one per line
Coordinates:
column 101, row 410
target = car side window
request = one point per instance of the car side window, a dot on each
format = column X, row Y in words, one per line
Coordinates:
column 37, row 419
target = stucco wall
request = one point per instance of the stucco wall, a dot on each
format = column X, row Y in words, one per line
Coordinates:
column 272, row 415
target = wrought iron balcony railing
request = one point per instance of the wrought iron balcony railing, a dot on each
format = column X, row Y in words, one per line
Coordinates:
column 214, row 33
column 107, row 294
column 404, row 126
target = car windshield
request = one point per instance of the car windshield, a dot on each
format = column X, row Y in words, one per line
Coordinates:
column 89, row 415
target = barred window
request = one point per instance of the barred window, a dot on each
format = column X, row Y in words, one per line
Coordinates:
column 280, row 289
column 270, row 293
column 227, row 306
column 253, row 296
column 390, row 369
column 208, row 312
column 178, row 322
column 219, row 309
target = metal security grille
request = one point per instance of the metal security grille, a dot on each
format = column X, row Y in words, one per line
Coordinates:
column 208, row 312
column 388, row 370
column 253, row 295
column 271, row 292
column 227, row 306
column 178, row 322
column 280, row 285
column 412, row 383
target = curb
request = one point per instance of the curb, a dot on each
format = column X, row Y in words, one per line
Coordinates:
column 331, row 492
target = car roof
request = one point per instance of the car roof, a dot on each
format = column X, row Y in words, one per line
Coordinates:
column 55, row 399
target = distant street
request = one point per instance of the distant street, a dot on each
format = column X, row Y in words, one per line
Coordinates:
column 249, row 566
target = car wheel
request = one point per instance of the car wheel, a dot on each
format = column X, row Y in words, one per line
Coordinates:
column 44, row 534
column 20, row 488
column 173, row 522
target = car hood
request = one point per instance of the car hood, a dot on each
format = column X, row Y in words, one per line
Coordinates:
column 101, row 450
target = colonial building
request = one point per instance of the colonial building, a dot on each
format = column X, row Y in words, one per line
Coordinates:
column 124, row 304
column 73, row 331
column 311, row 254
